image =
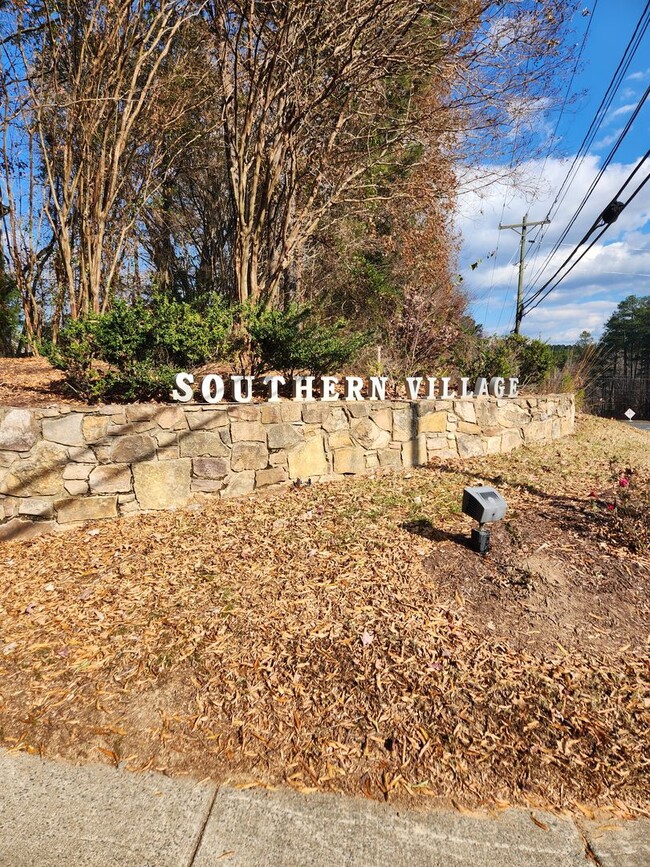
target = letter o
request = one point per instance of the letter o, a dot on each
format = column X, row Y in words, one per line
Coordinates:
column 212, row 382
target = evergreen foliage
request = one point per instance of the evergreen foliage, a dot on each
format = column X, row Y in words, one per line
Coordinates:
column 626, row 337
column 294, row 340
column 9, row 313
column 134, row 351
column 623, row 377
column 513, row 355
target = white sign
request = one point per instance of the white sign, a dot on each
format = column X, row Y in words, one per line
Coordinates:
column 630, row 414
column 213, row 388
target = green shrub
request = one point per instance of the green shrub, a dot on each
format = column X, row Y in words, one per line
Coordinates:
column 514, row 355
column 187, row 337
column 135, row 350
column 293, row 340
column 138, row 381
column 327, row 349
column 9, row 312
column 272, row 338
column 163, row 332
column 74, row 353
column 535, row 358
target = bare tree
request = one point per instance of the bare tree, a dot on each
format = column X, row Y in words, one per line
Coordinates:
column 317, row 95
column 217, row 145
column 93, row 90
column 28, row 239
column 306, row 112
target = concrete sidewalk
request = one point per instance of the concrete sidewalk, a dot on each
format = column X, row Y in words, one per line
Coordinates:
column 54, row 814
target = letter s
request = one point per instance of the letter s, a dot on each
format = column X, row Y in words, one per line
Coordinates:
column 183, row 392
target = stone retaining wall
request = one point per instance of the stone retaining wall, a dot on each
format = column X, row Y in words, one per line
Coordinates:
column 63, row 465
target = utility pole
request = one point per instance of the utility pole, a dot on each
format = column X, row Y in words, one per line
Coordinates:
column 524, row 225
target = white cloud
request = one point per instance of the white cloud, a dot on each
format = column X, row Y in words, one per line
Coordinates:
column 639, row 76
column 567, row 323
column 607, row 140
column 615, row 267
column 621, row 111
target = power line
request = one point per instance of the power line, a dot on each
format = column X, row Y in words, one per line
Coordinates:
column 566, row 95
column 494, row 262
column 541, row 231
column 608, row 216
column 606, row 101
column 506, row 296
column 615, row 82
column 505, row 198
column 615, row 201
column 596, row 180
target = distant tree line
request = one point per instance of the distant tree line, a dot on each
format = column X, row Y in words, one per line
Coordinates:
column 612, row 374
column 622, row 376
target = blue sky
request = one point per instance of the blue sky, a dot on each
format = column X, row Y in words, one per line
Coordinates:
column 619, row 264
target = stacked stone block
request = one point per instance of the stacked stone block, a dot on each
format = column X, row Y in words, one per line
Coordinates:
column 65, row 465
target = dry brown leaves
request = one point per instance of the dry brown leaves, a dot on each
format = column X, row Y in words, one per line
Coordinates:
column 30, row 382
column 300, row 638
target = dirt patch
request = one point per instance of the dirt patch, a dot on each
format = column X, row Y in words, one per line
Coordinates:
column 342, row 637
column 547, row 583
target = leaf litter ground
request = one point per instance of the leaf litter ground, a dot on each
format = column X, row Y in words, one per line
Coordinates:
column 343, row 637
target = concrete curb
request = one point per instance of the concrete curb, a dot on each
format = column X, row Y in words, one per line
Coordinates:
column 292, row 830
column 54, row 814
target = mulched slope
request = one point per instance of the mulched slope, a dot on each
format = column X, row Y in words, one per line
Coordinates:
column 319, row 637
column 31, row 382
